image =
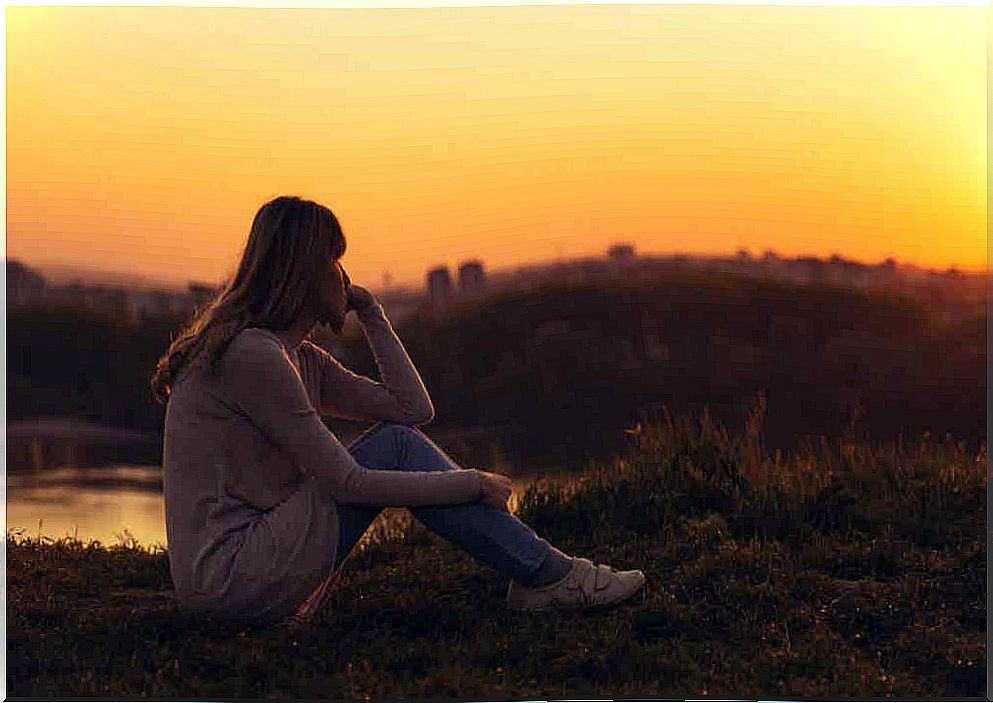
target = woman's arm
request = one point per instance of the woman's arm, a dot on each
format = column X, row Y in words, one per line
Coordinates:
column 400, row 397
column 258, row 378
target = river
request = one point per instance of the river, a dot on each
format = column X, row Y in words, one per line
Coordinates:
column 108, row 504
column 67, row 488
column 98, row 503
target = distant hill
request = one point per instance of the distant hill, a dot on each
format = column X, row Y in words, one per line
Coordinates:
column 563, row 368
column 64, row 274
column 575, row 361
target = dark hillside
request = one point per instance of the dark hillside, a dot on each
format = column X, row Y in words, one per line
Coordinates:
column 577, row 361
column 561, row 369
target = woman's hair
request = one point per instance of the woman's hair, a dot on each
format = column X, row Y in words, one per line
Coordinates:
column 281, row 268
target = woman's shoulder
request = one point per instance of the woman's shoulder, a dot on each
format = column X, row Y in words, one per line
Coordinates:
column 246, row 350
column 254, row 338
column 308, row 346
column 244, row 353
column 252, row 332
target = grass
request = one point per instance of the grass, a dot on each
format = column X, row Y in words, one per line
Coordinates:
column 847, row 570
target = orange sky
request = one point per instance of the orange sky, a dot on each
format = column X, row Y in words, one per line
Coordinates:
column 144, row 138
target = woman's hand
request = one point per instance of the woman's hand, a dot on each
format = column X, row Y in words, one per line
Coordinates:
column 496, row 490
column 358, row 298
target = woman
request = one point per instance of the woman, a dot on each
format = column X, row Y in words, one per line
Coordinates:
column 263, row 503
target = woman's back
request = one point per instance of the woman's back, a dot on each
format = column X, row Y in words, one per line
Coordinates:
column 255, row 484
column 249, row 440
column 221, row 477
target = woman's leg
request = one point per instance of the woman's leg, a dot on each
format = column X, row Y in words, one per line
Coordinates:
column 354, row 520
column 492, row 536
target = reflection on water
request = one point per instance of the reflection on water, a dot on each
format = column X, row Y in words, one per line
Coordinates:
column 89, row 503
column 101, row 503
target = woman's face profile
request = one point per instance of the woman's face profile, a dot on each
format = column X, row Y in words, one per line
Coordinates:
column 334, row 295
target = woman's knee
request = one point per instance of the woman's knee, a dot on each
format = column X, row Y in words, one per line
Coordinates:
column 389, row 436
column 381, row 428
column 399, row 429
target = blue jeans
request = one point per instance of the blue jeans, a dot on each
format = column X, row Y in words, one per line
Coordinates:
column 492, row 536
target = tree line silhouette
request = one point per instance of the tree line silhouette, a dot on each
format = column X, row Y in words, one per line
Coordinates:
column 564, row 367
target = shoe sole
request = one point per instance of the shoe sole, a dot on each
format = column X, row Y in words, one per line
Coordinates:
column 584, row 607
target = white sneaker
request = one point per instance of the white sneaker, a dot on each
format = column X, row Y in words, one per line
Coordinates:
column 585, row 586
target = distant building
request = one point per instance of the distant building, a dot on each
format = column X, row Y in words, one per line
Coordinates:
column 855, row 275
column 806, row 270
column 113, row 300
column 24, row 284
column 156, row 303
column 771, row 266
column 621, row 252
column 722, row 265
column 620, row 257
column 440, row 291
column 74, row 294
column 472, row 279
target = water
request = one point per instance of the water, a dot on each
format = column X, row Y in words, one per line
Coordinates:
column 108, row 504
column 101, row 503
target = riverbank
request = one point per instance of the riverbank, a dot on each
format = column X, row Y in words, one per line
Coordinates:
column 846, row 571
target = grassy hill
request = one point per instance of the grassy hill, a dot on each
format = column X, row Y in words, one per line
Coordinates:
column 844, row 570
column 580, row 360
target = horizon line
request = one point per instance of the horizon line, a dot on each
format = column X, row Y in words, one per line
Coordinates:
column 67, row 268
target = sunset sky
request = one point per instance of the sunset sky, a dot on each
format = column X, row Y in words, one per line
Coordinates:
column 145, row 138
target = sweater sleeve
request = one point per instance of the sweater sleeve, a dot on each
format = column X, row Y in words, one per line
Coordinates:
column 259, row 379
column 400, row 397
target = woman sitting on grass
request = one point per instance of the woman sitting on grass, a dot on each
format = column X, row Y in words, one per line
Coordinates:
column 263, row 502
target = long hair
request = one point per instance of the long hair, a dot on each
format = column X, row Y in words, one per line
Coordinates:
column 281, row 268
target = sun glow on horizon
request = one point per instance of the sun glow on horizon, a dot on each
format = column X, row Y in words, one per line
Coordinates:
column 150, row 135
